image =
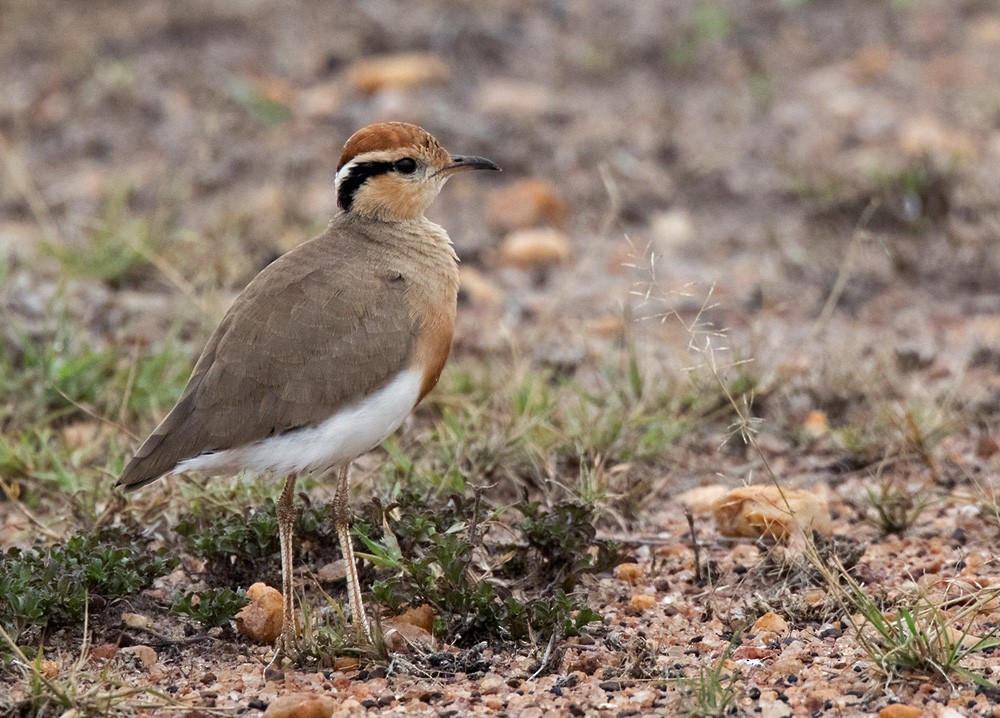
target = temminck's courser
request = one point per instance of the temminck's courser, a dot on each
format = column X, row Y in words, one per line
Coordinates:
column 330, row 347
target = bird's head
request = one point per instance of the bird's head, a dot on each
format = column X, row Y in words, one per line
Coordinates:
column 392, row 171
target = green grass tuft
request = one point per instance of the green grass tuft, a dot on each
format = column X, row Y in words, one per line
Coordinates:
column 712, row 694
column 118, row 248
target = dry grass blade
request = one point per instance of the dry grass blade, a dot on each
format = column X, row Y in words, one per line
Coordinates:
column 12, row 495
column 73, row 690
column 846, row 267
column 21, row 180
column 893, row 509
column 712, row 694
column 916, row 635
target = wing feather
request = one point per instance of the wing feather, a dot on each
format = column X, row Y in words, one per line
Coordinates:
column 319, row 329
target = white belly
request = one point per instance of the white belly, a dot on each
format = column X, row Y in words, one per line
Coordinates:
column 343, row 437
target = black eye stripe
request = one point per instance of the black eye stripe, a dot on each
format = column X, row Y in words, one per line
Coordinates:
column 359, row 174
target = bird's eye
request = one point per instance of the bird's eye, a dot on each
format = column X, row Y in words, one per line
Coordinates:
column 406, row 166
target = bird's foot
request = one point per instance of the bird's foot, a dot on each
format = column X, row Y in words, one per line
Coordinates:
column 363, row 634
column 275, row 671
column 286, row 650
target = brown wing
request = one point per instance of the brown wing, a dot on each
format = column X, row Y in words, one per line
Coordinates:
column 318, row 329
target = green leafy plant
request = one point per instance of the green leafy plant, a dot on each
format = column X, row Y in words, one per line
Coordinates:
column 243, row 547
column 561, row 540
column 55, row 585
column 213, row 607
column 234, row 545
column 436, row 555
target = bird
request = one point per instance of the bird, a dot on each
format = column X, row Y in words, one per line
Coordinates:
column 329, row 348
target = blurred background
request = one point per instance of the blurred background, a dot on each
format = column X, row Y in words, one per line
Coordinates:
column 717, row 219
column 818, row 178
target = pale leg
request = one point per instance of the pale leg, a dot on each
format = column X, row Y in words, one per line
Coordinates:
column 286, row 531
column 342, row 523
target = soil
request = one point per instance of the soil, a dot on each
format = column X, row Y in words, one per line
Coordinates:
column 811, row 186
